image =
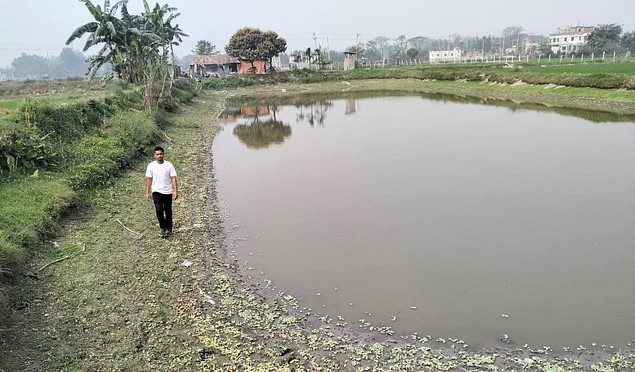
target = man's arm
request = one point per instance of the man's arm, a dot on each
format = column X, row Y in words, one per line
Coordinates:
column 175, row 188
column 148, row 187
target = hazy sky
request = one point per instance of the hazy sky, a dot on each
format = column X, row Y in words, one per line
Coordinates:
column 42, row 26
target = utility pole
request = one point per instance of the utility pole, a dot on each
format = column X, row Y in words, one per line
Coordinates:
column 328, row 50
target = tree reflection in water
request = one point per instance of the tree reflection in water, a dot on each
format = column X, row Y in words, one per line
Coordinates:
column 315, row 112
column 261, row 134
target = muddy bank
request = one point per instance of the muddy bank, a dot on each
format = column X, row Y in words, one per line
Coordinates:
column 132, row 301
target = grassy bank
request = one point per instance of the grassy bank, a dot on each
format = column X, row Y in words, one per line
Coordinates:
column 52, row 155
column 619, row 104
column 125, row 299
column 619, row 75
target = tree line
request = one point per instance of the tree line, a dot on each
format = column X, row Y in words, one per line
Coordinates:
column 513, row 40
column 68, row 64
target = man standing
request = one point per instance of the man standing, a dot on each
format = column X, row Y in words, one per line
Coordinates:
column 161, row 182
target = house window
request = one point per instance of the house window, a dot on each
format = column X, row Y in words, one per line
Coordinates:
column 565, row 39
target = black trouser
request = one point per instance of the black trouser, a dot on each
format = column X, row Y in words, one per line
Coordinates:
column 163, row 205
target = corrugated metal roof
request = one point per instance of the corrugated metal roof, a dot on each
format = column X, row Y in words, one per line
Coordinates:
column 219, row 59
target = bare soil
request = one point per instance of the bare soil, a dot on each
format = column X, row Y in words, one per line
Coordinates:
column 126, row 299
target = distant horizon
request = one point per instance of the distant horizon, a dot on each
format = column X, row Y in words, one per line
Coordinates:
column 331, row 25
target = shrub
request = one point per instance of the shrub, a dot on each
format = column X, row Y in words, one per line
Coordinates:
column 229, row 82
column 97, row 158
column 66, row 122
column 23, row 149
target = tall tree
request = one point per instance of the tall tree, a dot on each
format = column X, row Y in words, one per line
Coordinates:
column 139, row 47
column 605, row 38
column 272, row 45
column 204, row 47
column 69, row 63
column 510, row 37
column 250, row 44
column 382, row 47
column 105, row 29
column 628, row 41
column 400, row 47
column 30, row 66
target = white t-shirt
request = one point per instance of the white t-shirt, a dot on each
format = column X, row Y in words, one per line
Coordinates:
column 161, row 175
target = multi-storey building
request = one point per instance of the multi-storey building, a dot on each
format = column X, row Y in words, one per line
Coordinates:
column 439, row 56
column 569, row 40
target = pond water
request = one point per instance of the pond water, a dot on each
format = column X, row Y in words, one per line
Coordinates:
column 444, row 217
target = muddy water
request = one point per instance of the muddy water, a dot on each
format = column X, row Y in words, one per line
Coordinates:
column 449, row 219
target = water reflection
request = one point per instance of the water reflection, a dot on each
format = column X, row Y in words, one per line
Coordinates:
column 313, row 113
column 260, row 127
column 472, row 223
column 314, row 106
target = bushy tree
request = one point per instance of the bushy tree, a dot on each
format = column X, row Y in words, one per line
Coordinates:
column 69, row 63
column 605, row 38
column 544, row 50
column 30, row 66
column 628, row 41
column 204, row 47
column 250, row 44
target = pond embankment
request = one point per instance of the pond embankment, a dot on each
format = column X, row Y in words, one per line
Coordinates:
column 129, row 300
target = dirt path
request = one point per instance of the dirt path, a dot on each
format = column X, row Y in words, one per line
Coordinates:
column 128, row 300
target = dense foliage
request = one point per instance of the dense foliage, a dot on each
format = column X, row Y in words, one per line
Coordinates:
column 204, row 47
column 139, row 47
column 250, row 44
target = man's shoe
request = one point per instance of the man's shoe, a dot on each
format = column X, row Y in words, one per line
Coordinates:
column 164, row 233
column 168, row 232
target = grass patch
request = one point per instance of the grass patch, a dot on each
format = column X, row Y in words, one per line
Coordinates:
column 28, row 208
column 53, row 99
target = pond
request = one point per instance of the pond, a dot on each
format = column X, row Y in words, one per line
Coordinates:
column 446, row 217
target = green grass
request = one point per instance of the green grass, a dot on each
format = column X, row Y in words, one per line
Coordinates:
column 627, row 68
column 607, row 75
column 53, row 99
column 97, row 147
column 27, row 208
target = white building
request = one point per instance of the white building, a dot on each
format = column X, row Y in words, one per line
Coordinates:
column 439, row 56
column 570, row 40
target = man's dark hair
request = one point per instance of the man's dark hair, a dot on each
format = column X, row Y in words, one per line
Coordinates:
column 158, row 148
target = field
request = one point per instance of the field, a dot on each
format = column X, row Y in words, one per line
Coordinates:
column 14, row 93
column 124, row 299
